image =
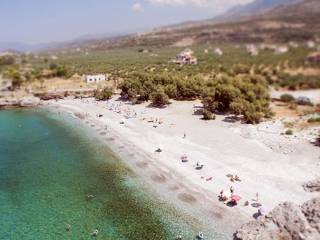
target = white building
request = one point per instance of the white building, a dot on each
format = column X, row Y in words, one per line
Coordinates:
column 252, row 50
column 293, row 44
column 95, row 78
column 311, row 44
column 281, row 50
column 185, row 57
column 218, row 52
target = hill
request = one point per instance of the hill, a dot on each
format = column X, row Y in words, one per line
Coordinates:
column 256, row 22
column 253, row 8
column 261, row 21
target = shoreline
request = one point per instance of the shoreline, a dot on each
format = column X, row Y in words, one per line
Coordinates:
column 191, row 203
column 80, row 184
column 177, row 183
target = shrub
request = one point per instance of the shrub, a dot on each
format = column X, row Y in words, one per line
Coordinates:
column 292, row 106
column 7, row 60
column 287, row 98
column 314, row 120
column 208, row 115
column 159, row 98
column 294, row 82
column 289, row 132
column 53, row 66
column 241, row 69
column 171, row 90
column 61, row 71
column 103, row 95
column 15, row 76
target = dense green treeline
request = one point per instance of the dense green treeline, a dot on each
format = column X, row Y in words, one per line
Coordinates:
column 241, row 94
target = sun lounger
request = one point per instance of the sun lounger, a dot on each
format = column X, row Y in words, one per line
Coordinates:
column 199, row 167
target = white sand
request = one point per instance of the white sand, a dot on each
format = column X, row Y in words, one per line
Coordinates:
column 224, row 148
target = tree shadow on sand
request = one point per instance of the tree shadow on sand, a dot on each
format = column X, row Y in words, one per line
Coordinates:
column 231, row 119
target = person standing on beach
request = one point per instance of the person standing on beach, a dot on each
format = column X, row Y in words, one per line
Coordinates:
column 221, row 194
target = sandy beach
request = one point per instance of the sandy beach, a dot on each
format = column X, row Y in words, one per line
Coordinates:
column 273, row 165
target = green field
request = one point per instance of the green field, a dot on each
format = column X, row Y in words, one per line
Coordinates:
column 112, row 61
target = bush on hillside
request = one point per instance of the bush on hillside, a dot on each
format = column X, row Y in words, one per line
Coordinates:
column 296, row 82
column 289, row 132
column 208, row 115
column 159, row 98
column 287, row 98
column 314, row 120
column 103, row 95
column 6, row 60
column 14, row 75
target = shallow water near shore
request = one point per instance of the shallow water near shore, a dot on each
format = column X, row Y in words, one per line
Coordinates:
column 57, row 182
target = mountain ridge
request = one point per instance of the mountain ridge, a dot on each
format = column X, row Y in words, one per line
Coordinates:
column 280, row 24
column 269, row 21
column 236, row 13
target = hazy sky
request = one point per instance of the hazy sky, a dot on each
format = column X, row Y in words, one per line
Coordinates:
column 38, row 21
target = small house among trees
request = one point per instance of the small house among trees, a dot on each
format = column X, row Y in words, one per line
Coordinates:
column 314, row 57
column 186, row 57
column 281, row 49
column 252, row 50
column 218, row 52
column 95, row 78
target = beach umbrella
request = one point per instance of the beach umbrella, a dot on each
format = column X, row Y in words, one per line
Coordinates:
column 235, row 198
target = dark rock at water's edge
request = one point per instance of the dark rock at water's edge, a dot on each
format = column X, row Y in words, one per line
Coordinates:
column 50, row 96
column 286, row 221
column 61, row 95
column 312, row 186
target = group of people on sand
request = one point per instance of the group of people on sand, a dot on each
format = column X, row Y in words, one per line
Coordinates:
column 128, row 113
column 234, row 178
column 230, row 199
column 224, row 197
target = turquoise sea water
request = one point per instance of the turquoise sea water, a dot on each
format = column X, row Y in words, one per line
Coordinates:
column 53, row 175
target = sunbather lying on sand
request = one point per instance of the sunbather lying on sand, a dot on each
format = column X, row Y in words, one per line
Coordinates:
column 235, row 178
column 222, row 197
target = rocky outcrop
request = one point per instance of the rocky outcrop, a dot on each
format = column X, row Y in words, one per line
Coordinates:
column 50, row 96
column 286, row 221
column 29, row 102
column 311, row 210
column 9, row 102
column 19, row 102
column 312, row 186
